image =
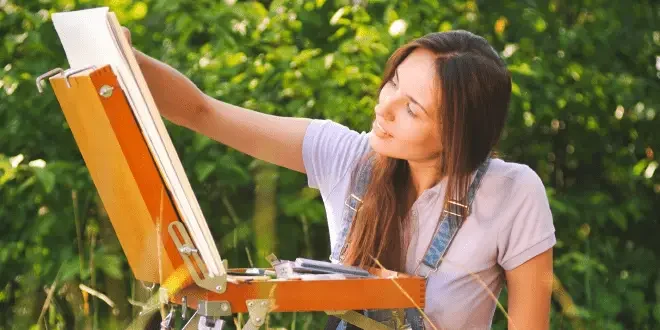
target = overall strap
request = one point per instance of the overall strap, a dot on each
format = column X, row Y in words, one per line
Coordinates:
column 352, row 204
column 448, row 227
column 445, row 233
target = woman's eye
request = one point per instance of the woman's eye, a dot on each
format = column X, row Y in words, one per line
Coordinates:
column 410, row 112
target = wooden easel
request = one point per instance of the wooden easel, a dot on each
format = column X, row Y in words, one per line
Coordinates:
column 157, row 243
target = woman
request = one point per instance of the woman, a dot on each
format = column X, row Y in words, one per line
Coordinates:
column 441, row 109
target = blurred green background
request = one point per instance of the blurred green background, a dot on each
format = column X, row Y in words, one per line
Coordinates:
column 584, row 116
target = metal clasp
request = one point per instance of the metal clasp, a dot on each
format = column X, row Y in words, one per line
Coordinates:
column 342, row 253
column 456, row 204
column 359, row 203
column 433, row 270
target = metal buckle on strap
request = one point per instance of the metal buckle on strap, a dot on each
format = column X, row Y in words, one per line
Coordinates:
column 433, row 270
column 342, row 253
column 359, row 202
column 467, row 208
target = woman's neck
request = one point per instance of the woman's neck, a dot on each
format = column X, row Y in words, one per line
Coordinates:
column 423, row 175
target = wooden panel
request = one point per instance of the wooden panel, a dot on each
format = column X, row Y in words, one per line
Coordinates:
column 123, row 171
column 322, row 295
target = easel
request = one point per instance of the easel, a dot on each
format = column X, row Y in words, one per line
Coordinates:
column 156, row 242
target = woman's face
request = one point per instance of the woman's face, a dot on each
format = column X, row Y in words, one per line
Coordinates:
column 406, row 124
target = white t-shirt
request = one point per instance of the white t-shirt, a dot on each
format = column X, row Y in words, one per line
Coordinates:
column 510, row 223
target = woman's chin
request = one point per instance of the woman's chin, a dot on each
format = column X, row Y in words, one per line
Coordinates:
column 380, row 144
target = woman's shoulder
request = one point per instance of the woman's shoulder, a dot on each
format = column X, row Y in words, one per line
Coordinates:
column 523, row 211
column 330, row 151
column 512, row 174
column 507, row 184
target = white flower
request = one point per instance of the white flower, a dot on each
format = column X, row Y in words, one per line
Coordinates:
column 240, row 27
column 40, row 163
column 335, row 18
column 509, row 50
column 398, row 27
column 327, row 61
column 204, row 61
column 14, row 161
column 650, row 170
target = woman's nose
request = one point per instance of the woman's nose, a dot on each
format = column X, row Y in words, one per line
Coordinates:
column 386, row 109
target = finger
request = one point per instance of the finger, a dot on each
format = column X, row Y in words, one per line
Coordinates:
column 127, row 33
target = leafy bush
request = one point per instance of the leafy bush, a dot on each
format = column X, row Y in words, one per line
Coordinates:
column 583, row 115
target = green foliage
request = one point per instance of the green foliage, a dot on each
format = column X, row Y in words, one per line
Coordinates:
column 583, row 116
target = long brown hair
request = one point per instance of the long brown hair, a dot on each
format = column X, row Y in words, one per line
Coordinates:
column 473, row 101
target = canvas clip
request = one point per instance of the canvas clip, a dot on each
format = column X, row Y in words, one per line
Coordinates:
column 67, row 73
column 191, row 258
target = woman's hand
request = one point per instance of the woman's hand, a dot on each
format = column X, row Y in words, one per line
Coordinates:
column 127, row 34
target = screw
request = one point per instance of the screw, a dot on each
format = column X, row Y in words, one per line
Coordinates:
column 258, row 320
column 106, row 91
column 263, row 303
column 187, row 249
column 224, row 307
column 250, row 304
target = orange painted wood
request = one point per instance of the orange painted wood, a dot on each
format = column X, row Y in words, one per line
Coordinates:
column 322, row 295
column 123, row 171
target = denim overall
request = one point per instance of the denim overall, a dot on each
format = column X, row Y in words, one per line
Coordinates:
column 448, row 227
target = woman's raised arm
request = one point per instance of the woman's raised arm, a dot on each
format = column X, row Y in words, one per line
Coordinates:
column 274, row 139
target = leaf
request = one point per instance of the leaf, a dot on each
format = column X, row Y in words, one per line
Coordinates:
column 110, row 265
column 619, row 218
column 522, row 68
column 70, row 269
column 46, row 177
column 203, row 169
column 200, row 142
column 390, row 15
column 640, row 166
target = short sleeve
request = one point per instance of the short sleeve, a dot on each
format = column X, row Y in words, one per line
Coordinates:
column 528, row 230
column 330, row 150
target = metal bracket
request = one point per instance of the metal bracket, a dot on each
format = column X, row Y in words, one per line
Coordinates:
column 67, row 73
column 258, row 310
column 198, row 322
column 45, row 76
column 191, row 258
column 184, row 307
column 214, row 308
column 70, row 72
column 166, row 324
column 210, row 323
column 208, row 315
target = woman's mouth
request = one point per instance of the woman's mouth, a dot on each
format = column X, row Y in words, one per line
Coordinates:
column 380, row 131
